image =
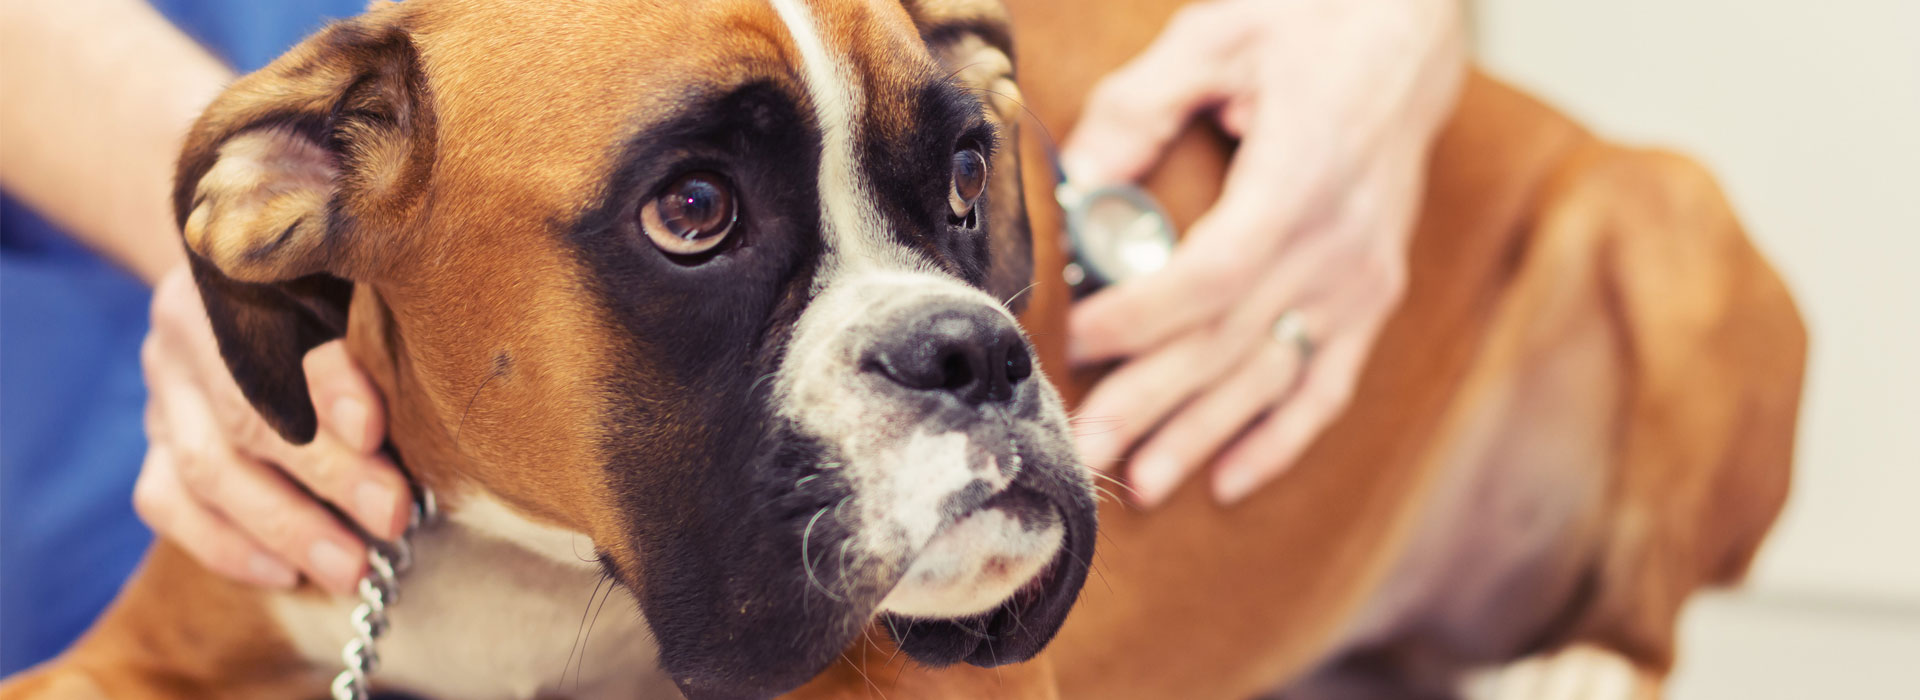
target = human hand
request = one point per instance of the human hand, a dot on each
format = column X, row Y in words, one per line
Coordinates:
column 1335, row 104
column 225, row 487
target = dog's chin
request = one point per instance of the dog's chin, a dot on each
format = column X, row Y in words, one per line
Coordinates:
column 979, row 561
column 992, row 587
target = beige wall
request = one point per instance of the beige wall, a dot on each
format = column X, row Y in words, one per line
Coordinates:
column 1810, row 114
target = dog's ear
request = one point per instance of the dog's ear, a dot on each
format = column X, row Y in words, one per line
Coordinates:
column 973, row 40
column 284, row 186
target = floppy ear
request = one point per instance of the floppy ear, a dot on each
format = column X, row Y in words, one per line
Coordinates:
column 286, row 183
column 973, row 40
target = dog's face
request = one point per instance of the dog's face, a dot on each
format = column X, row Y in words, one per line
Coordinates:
column 722, row 285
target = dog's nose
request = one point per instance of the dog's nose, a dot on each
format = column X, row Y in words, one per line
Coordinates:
column 969, row 351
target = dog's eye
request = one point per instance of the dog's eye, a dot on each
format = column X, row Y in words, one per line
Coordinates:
column 692, row 215
column 969, row 180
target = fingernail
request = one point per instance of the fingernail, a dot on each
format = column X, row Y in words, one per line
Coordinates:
column 1080, row 170
column 1153, row 479
column 1096, row 451
column 350, row 419
column 333, row 564
column 267, row 571
column 1076, row 353
column 373, row 505
column 1083, row 333
column 1233, row 485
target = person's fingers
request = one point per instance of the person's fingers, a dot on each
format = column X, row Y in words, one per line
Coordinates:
column 1209, row 421
column 1138, row 395
column 253, row 496
column 163, row 503
column 1131, row 114
column 1348, row 312
column 1226, row 252
column 1376, row 212
column 1293, row 167
column 267, row 506
column 343, row 464
column 369, row 489
column 1277, row 440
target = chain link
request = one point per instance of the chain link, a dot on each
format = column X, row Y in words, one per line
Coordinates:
column 379, row 589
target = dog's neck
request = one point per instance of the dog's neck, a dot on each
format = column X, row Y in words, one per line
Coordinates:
column 497, row 603
column 495, row 606
column 428, row 443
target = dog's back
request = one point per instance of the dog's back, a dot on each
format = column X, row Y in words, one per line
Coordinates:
column 1583, row 413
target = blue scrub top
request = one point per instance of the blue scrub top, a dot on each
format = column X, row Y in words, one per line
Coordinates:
column 71, row 395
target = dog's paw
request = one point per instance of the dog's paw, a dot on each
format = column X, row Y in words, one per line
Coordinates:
column 1574, row 673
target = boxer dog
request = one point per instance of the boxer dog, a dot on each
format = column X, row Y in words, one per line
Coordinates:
column 705, row 299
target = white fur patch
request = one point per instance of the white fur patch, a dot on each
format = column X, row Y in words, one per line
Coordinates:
column 854, row 231
column 492, row 608
column 973, row 565
column 1576, row 673
column 488, row 516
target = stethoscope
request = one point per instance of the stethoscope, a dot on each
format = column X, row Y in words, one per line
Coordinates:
column 1114, row 233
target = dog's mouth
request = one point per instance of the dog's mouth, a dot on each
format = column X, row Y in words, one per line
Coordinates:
column 1016, row 625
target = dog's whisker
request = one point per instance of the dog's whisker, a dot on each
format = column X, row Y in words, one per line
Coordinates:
column 1016, row 295
column 898, row 641
column 582, row 626
column 863, row 675
column 962, row 69
column 458, row 428
column 1044, row 131
column 581, row 667
column 807, row 563
column 1111, row 479
column 573, row 543
column 898, row 671
column 1097, row 571
column 845, row 545
column 751, row 388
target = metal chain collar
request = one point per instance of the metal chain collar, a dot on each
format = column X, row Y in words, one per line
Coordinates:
column 378, row 589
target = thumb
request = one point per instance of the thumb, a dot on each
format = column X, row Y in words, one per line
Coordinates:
column 1132, row 114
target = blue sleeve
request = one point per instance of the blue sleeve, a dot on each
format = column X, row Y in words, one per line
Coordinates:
column 71, row 395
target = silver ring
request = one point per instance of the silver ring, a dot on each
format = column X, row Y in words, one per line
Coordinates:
column 1291, row 329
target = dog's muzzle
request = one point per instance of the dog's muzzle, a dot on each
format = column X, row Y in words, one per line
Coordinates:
column 996, row 579
column 963, row 518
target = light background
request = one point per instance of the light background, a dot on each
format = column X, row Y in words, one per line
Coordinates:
column 1809, row 112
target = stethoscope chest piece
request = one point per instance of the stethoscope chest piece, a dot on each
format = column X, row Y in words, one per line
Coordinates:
column 1114, row 233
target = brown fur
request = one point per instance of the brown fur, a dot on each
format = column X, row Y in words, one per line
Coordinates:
column 1549, row 269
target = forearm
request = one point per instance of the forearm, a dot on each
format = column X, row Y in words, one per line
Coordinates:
column 99, row 94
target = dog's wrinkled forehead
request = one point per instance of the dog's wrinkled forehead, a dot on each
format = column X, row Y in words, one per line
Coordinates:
column 851, row 225
column 545, row 126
